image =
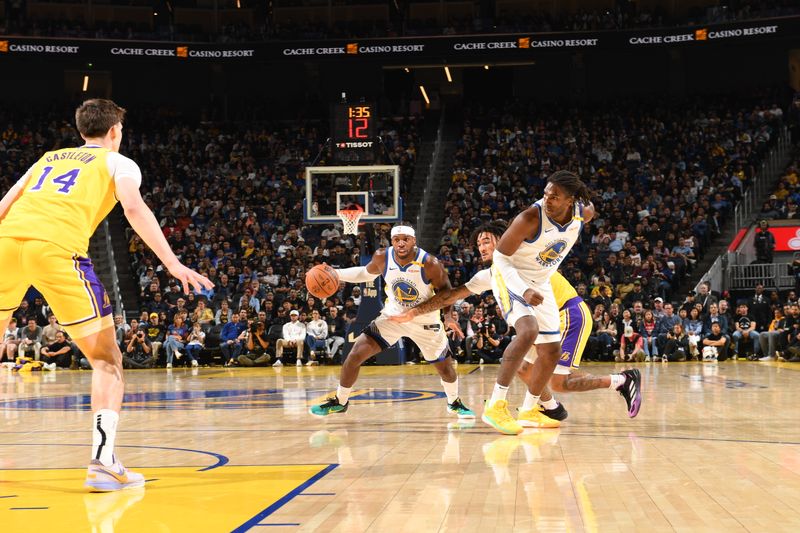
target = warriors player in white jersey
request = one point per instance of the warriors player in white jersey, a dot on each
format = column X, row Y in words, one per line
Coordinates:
column 527, row 255
column 411, row 276
column 576, row 327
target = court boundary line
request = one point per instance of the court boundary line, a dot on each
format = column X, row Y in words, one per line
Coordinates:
column 271, row 509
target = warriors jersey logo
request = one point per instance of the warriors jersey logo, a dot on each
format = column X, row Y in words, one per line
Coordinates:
column 552, row 254
column 405, row 292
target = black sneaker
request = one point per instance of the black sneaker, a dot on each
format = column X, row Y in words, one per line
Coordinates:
column 631, row 390
column 330, row 406
column 458, row 408
column 559, row 413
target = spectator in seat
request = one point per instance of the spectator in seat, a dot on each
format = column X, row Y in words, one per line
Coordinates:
column 705, row 297
column 257, row 345
column 694, row 330
column 30, row 339
column 648, row 329
column 715, row 344
column 50, row 330
column 138, row 352
column 316, row 336
column 223, row 314
column 10, row 341
column 631, row 346
column 606, row 334
column 336, row 332
column 665, row 325
column 156, row 333
column 771, row 340
column 202, row 315
column 745, row 333
column 724, row 310
column 175, row 341
column 294, row 336
column 759, row 308
column 121, row 328
column 195, row 341
column 230, row 339
column 58, row 352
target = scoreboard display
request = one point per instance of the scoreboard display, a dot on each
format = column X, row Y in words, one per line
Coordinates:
column 354, row 133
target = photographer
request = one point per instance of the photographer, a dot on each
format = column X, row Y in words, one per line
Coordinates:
column 256, row 345
column 138, row 352
column 488, row 344
column 676, row 346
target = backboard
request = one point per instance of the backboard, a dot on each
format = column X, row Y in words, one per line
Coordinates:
column 376, row 189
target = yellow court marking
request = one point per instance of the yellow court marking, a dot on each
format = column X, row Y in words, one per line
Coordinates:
column 178, row 499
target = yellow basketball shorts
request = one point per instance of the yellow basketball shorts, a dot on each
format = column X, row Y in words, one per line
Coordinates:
column 67, row 281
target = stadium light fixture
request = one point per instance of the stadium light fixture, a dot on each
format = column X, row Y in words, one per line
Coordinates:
column 408, row 70
column 447, row 73
column 85, row 83
column 424, row 95
column 486, row 67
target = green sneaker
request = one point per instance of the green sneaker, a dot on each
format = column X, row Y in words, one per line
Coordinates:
column 331, row 406
column 460, row 409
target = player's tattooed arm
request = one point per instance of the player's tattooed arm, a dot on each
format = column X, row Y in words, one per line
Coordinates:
column 441, row 299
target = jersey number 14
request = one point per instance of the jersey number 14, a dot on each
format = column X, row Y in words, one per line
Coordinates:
column 66, row 180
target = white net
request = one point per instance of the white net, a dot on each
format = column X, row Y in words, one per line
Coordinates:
column 350, row 218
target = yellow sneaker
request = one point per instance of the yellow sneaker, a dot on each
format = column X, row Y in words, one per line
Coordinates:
column 499, row 418
column 497, row 455
column 535, row 418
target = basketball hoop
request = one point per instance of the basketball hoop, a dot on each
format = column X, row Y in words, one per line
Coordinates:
column 350, row 218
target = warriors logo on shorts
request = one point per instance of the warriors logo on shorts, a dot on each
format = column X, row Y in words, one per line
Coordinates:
column 405, row 292
column 552, row 253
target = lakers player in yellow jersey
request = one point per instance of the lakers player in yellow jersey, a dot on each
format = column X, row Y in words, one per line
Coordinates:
column 576, row 326
column 46, row 220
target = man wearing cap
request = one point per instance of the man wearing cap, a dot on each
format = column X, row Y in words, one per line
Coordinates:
column 658, row 308
column 155, row 334
column 294, row 336
column 411, row 276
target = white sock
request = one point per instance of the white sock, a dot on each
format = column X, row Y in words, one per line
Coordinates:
column 451, row 389
column 343, row 393
column 616, row 381
column 104, row 433
column 550, row 404
column 530, row 401
column 499, row 393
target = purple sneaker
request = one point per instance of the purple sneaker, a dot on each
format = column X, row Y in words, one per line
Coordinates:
column 631, row 390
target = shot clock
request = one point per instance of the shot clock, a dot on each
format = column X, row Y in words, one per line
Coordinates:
column 353, row 127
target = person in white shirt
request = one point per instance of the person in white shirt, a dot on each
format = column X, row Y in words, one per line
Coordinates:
column 10, row 341
column 49, row 331
column 316, row 333
column 294, row 336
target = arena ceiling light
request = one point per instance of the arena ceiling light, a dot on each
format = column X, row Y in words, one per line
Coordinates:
column 85, row 83
column 486, row 67
column 447, row 73
column 424, row 95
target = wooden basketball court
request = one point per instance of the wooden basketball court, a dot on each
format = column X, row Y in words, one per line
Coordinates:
column 716, row 447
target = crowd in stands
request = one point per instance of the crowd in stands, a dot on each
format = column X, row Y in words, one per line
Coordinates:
column 228, row 198
column 621, row 16
column 666, row 180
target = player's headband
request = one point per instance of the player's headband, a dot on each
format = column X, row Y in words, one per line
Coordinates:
column 403, row 230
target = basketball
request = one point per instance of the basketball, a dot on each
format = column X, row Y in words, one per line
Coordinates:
column 322, row 281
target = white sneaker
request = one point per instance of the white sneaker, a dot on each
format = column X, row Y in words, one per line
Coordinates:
column 194, row 362
column 312, row 363
column 277, row 363
column 766, row 358
column 481, row 361
column 169, row 365
column 648, row 359
column 178, row 353
column 299, row 362
column 50, row 366
column 664, row 359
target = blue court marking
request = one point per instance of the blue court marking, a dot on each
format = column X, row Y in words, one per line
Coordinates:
column 723, row 382
column 283, row 501
column 318, row 494
column 213, row 399
column 28, row 508
column 221, row 459
column 268, row 525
